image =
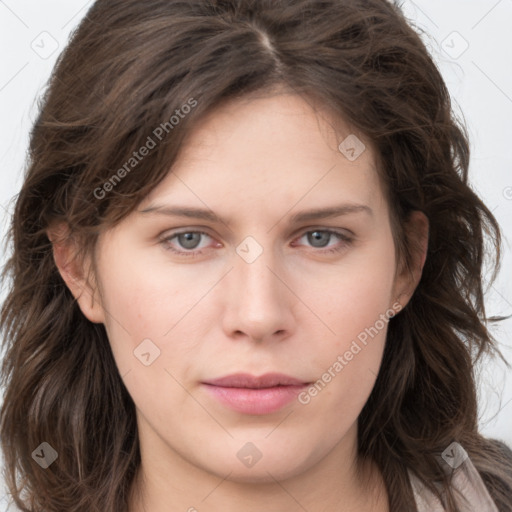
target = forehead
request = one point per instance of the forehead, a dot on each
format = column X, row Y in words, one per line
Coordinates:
column 278, row 149
column 277, row 120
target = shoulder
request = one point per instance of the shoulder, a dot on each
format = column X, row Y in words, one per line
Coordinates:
column 494, row 463
column 487, row 488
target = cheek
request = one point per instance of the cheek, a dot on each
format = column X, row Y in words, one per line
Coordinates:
column 149, row 328
column 355, row 294
column 147, row 300
column 356, row 304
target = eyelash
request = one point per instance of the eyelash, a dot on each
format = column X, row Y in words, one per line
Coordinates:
column 347, row 241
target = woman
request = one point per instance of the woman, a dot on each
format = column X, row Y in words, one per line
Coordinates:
column 246, row 270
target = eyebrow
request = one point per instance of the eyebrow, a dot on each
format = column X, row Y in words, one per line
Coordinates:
column 304, row 216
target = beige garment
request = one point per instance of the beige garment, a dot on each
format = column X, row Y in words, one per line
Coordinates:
column 472, row 495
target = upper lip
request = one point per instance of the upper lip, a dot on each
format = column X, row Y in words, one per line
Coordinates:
column 245, row 380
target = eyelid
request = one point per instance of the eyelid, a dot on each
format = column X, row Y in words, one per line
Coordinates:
column 169, row 233
column 166, row 236
column 345, row 239
column 331, row 229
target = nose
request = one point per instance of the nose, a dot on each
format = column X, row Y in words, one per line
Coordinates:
column 258, row 301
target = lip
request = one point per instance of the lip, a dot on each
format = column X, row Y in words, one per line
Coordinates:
column 250, row 394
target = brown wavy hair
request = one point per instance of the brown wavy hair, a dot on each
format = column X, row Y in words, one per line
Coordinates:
column 126, row 70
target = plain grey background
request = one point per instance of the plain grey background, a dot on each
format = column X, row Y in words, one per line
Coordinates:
column 469, row 39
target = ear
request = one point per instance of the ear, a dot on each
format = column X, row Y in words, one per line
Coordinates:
column 408, row 276
column 74, row 274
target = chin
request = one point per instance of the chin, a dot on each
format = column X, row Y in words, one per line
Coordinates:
column 263, row 471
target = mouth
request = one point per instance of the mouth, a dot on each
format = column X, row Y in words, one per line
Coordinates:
column 254, row 395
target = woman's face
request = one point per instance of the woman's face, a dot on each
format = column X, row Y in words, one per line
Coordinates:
column 288, row 268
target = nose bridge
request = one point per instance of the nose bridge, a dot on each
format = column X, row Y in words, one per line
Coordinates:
column 253, row 271
column 259, row 305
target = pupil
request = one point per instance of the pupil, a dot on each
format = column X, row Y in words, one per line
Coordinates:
column 318, row 236
column 187, row 240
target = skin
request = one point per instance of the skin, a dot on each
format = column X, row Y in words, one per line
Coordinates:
column 293, row 310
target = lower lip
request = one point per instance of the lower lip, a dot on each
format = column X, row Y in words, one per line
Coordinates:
column 255, row 401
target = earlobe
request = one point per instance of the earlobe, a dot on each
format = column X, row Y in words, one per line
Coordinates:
column 74, row 274
column 417, row 235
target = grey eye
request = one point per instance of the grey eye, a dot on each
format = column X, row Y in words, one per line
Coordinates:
column 319, row 238
column 189, row 240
